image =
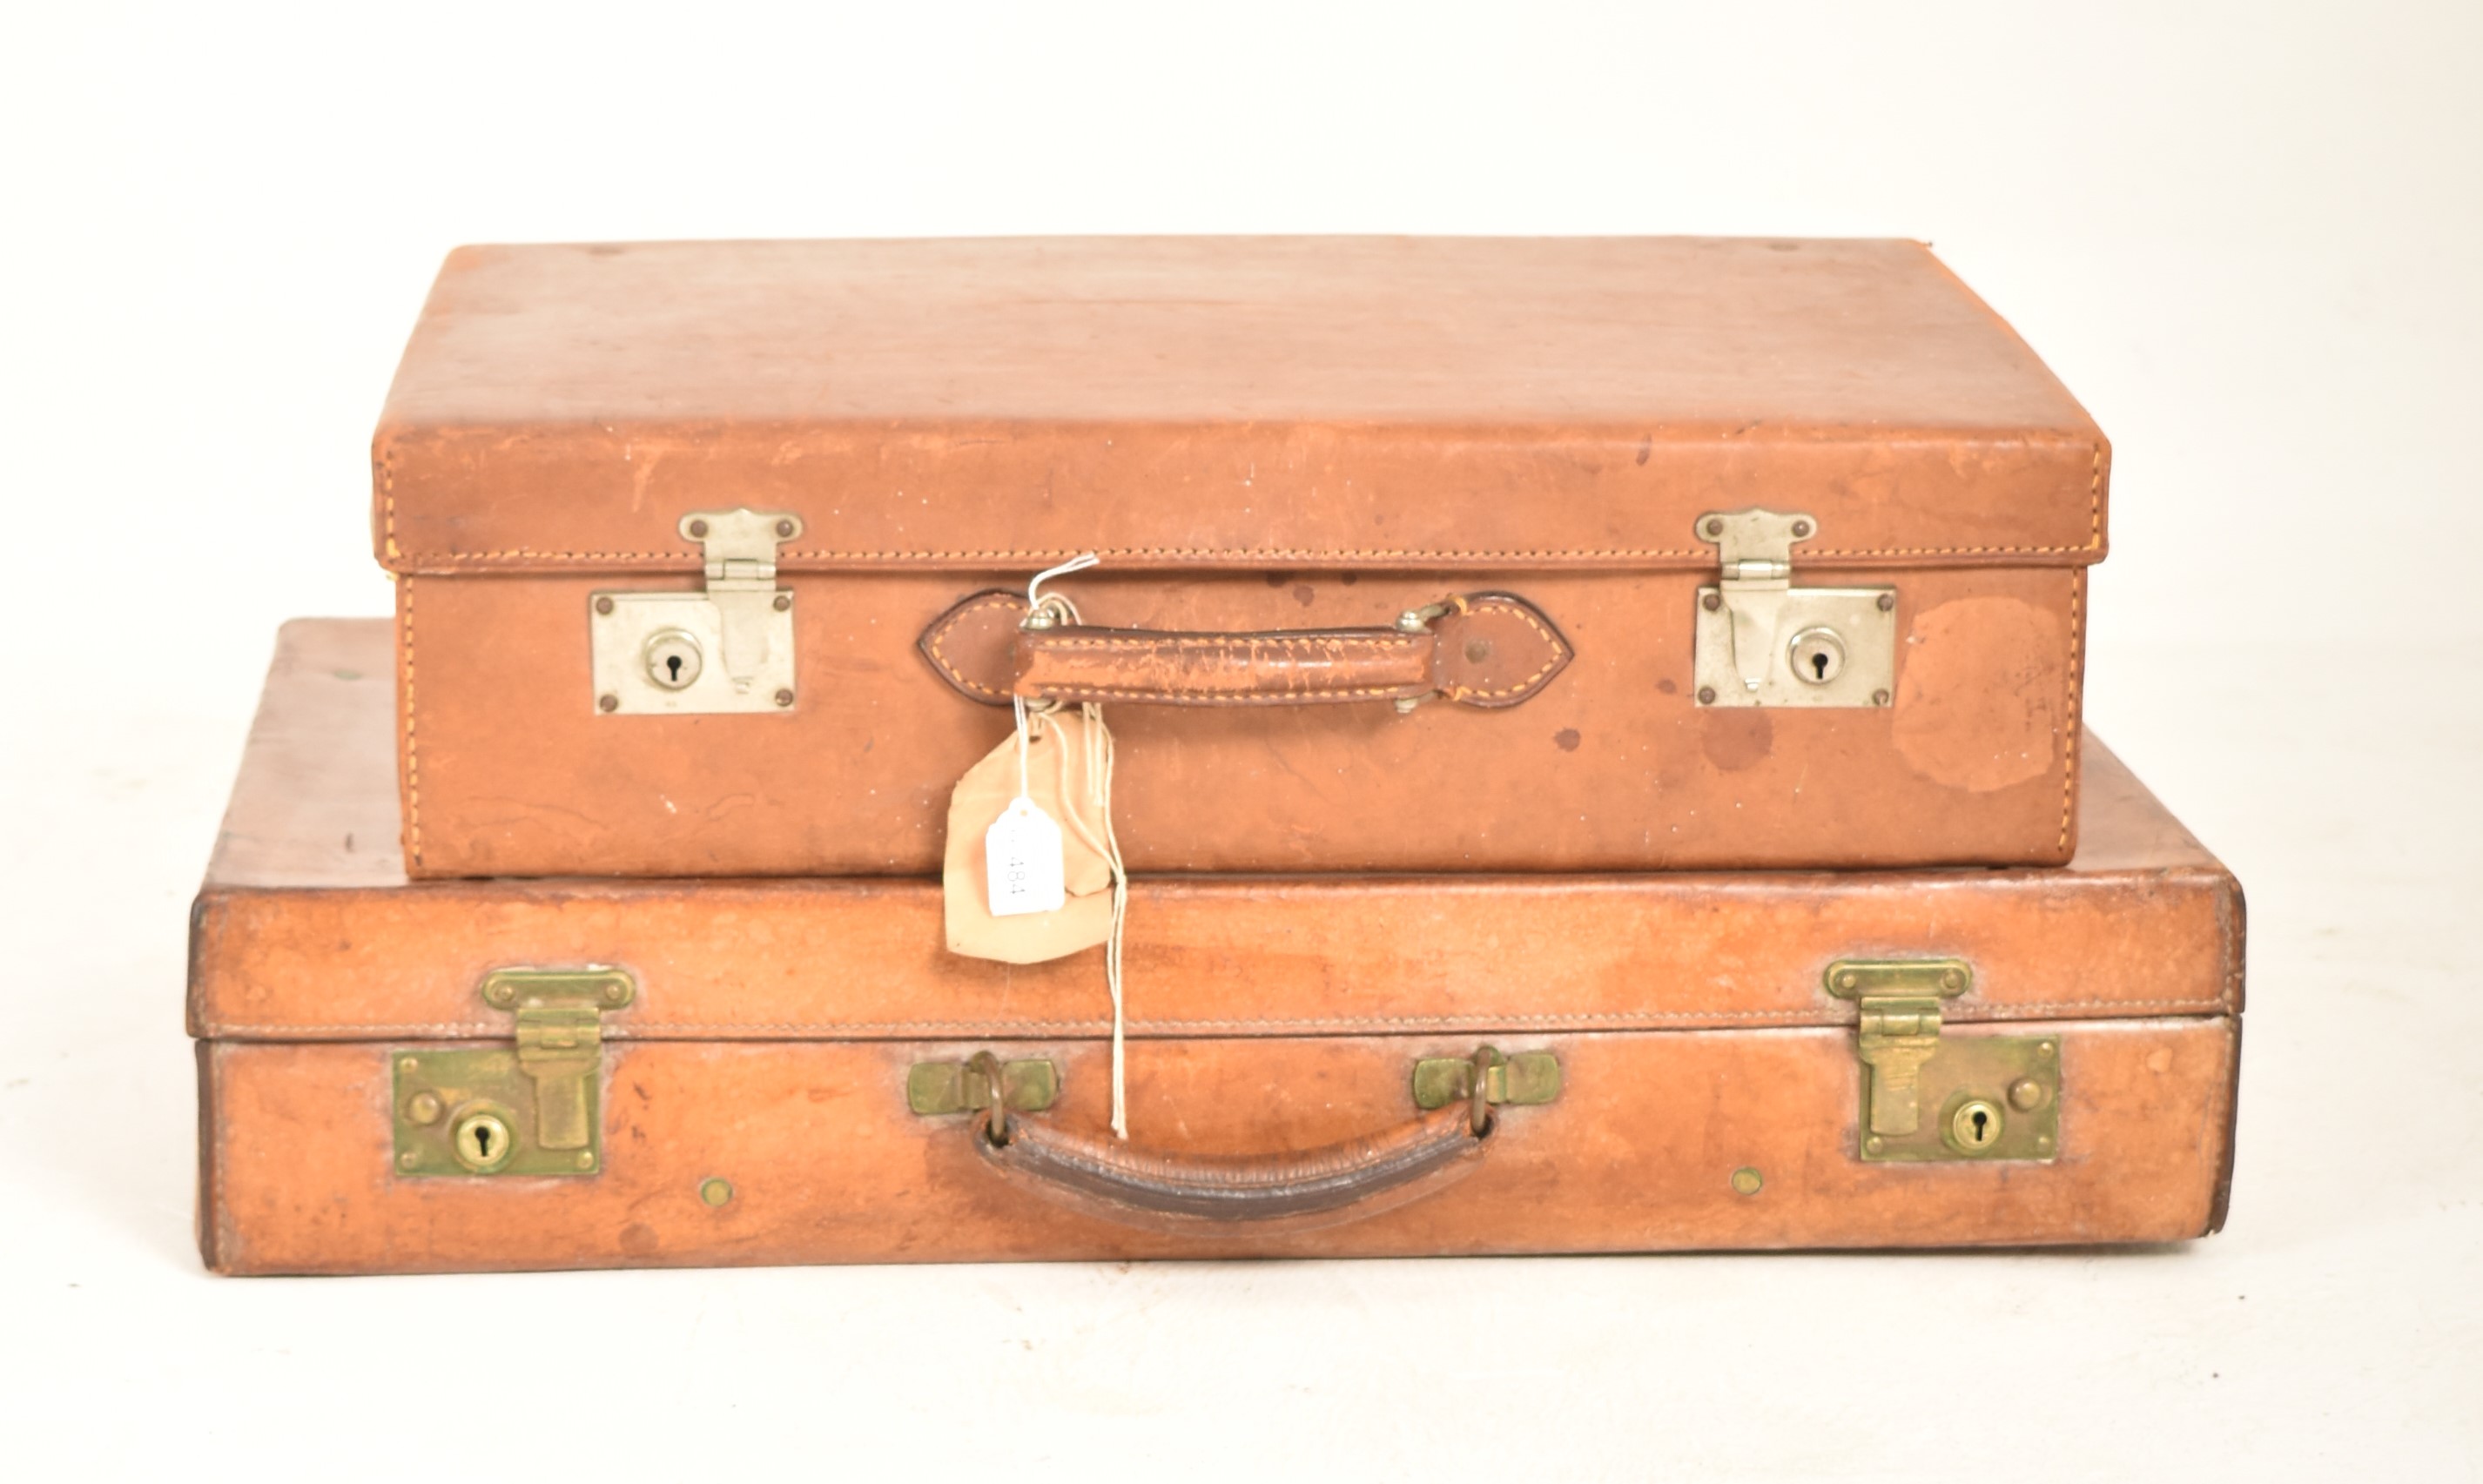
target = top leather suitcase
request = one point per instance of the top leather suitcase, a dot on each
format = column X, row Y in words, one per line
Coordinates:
column 1413, row 554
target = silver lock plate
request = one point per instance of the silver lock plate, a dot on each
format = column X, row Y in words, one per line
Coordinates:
column 726, row 649
column 1762, row 641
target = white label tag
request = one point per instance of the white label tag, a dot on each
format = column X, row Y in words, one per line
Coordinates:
column 1022, row 857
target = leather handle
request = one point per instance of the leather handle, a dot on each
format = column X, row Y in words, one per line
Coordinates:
column 1285, row 668
column 1487, row 650
column 1340, row 1182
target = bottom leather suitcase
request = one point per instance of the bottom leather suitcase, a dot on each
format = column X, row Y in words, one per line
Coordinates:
column 492, row 1074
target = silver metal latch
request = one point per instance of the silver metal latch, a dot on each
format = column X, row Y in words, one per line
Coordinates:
column 726, row 649
column 1763, row 642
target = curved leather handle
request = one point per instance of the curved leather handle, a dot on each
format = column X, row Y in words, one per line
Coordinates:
column 1488, row 650
column 1342, row 1181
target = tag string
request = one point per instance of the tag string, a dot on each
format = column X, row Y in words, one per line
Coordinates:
column 1098, row 766
column 1076, row 564
column 1099, row 751
column 1017, row 705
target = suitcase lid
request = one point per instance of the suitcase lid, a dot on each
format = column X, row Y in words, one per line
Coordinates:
column 1338, row 402
column 308, row 930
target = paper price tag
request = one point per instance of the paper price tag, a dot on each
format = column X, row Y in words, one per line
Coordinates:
column 1022, row 859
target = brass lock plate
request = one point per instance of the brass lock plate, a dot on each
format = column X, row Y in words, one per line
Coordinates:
column 1981, row 1098
column 533, row 1107
column 469, row 1112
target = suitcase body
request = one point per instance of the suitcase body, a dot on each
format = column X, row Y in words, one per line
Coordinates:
column 1415, row 555
column 402, row 1077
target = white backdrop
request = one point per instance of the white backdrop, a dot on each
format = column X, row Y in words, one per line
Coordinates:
column 2247, row 235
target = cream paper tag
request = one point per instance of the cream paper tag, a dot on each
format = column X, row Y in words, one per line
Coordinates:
column 1021, row 865
column 1067, row 800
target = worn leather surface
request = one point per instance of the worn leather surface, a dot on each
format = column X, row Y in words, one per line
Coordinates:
column 775, row 1022
column 306, row 929
column 1340, row 404
column 1255, row 434
column 1489, row 650
column 509, row 770
column 827, row 1165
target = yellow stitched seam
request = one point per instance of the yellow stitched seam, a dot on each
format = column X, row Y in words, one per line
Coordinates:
column 1219, row 641
column 1072, row 691
column 940, row 639
column 623, row 1030
column 387, row 500
column 1295, row 556
column 1559, row 651
column 2094, row 540
column 2076, row 691
column 413, row 761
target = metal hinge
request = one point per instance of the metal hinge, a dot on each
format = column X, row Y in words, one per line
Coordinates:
column 533, row 1108
column 1995, row 1097
column 728, row 648
column 1763, row 642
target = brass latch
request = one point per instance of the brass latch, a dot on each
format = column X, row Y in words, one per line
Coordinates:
column 1993, row 1097
column 933, row 1088
column 727, row 648
column 1526, row 1080
column 535, row 1109
column 1763, row 642
column 1898, row 1029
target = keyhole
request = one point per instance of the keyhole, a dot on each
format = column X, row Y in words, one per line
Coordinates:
column 673, row 660
column 1975, row 1126
column 481, row 1142
column 1817, row 655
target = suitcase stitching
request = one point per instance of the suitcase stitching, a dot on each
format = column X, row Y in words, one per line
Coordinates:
column 2094, row 541
column 2014, row 1013
column 939, row 656
column 405, row 621
column 2070, row 765
column 1214, row 698
column 2078, row 646
column 1209, row 696
column 413, row 758
column 1221, row 641
column 1232, row 554
column 1560, row 653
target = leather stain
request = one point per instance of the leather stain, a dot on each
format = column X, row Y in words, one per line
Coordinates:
column 1979, row 698
column 1736, row 737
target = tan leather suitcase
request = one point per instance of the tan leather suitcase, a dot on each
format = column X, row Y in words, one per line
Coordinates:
column 1415, row 554
column 404, row 1076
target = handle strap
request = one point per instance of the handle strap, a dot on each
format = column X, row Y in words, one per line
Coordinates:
column 1340, row 1182
column 1486, row 650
